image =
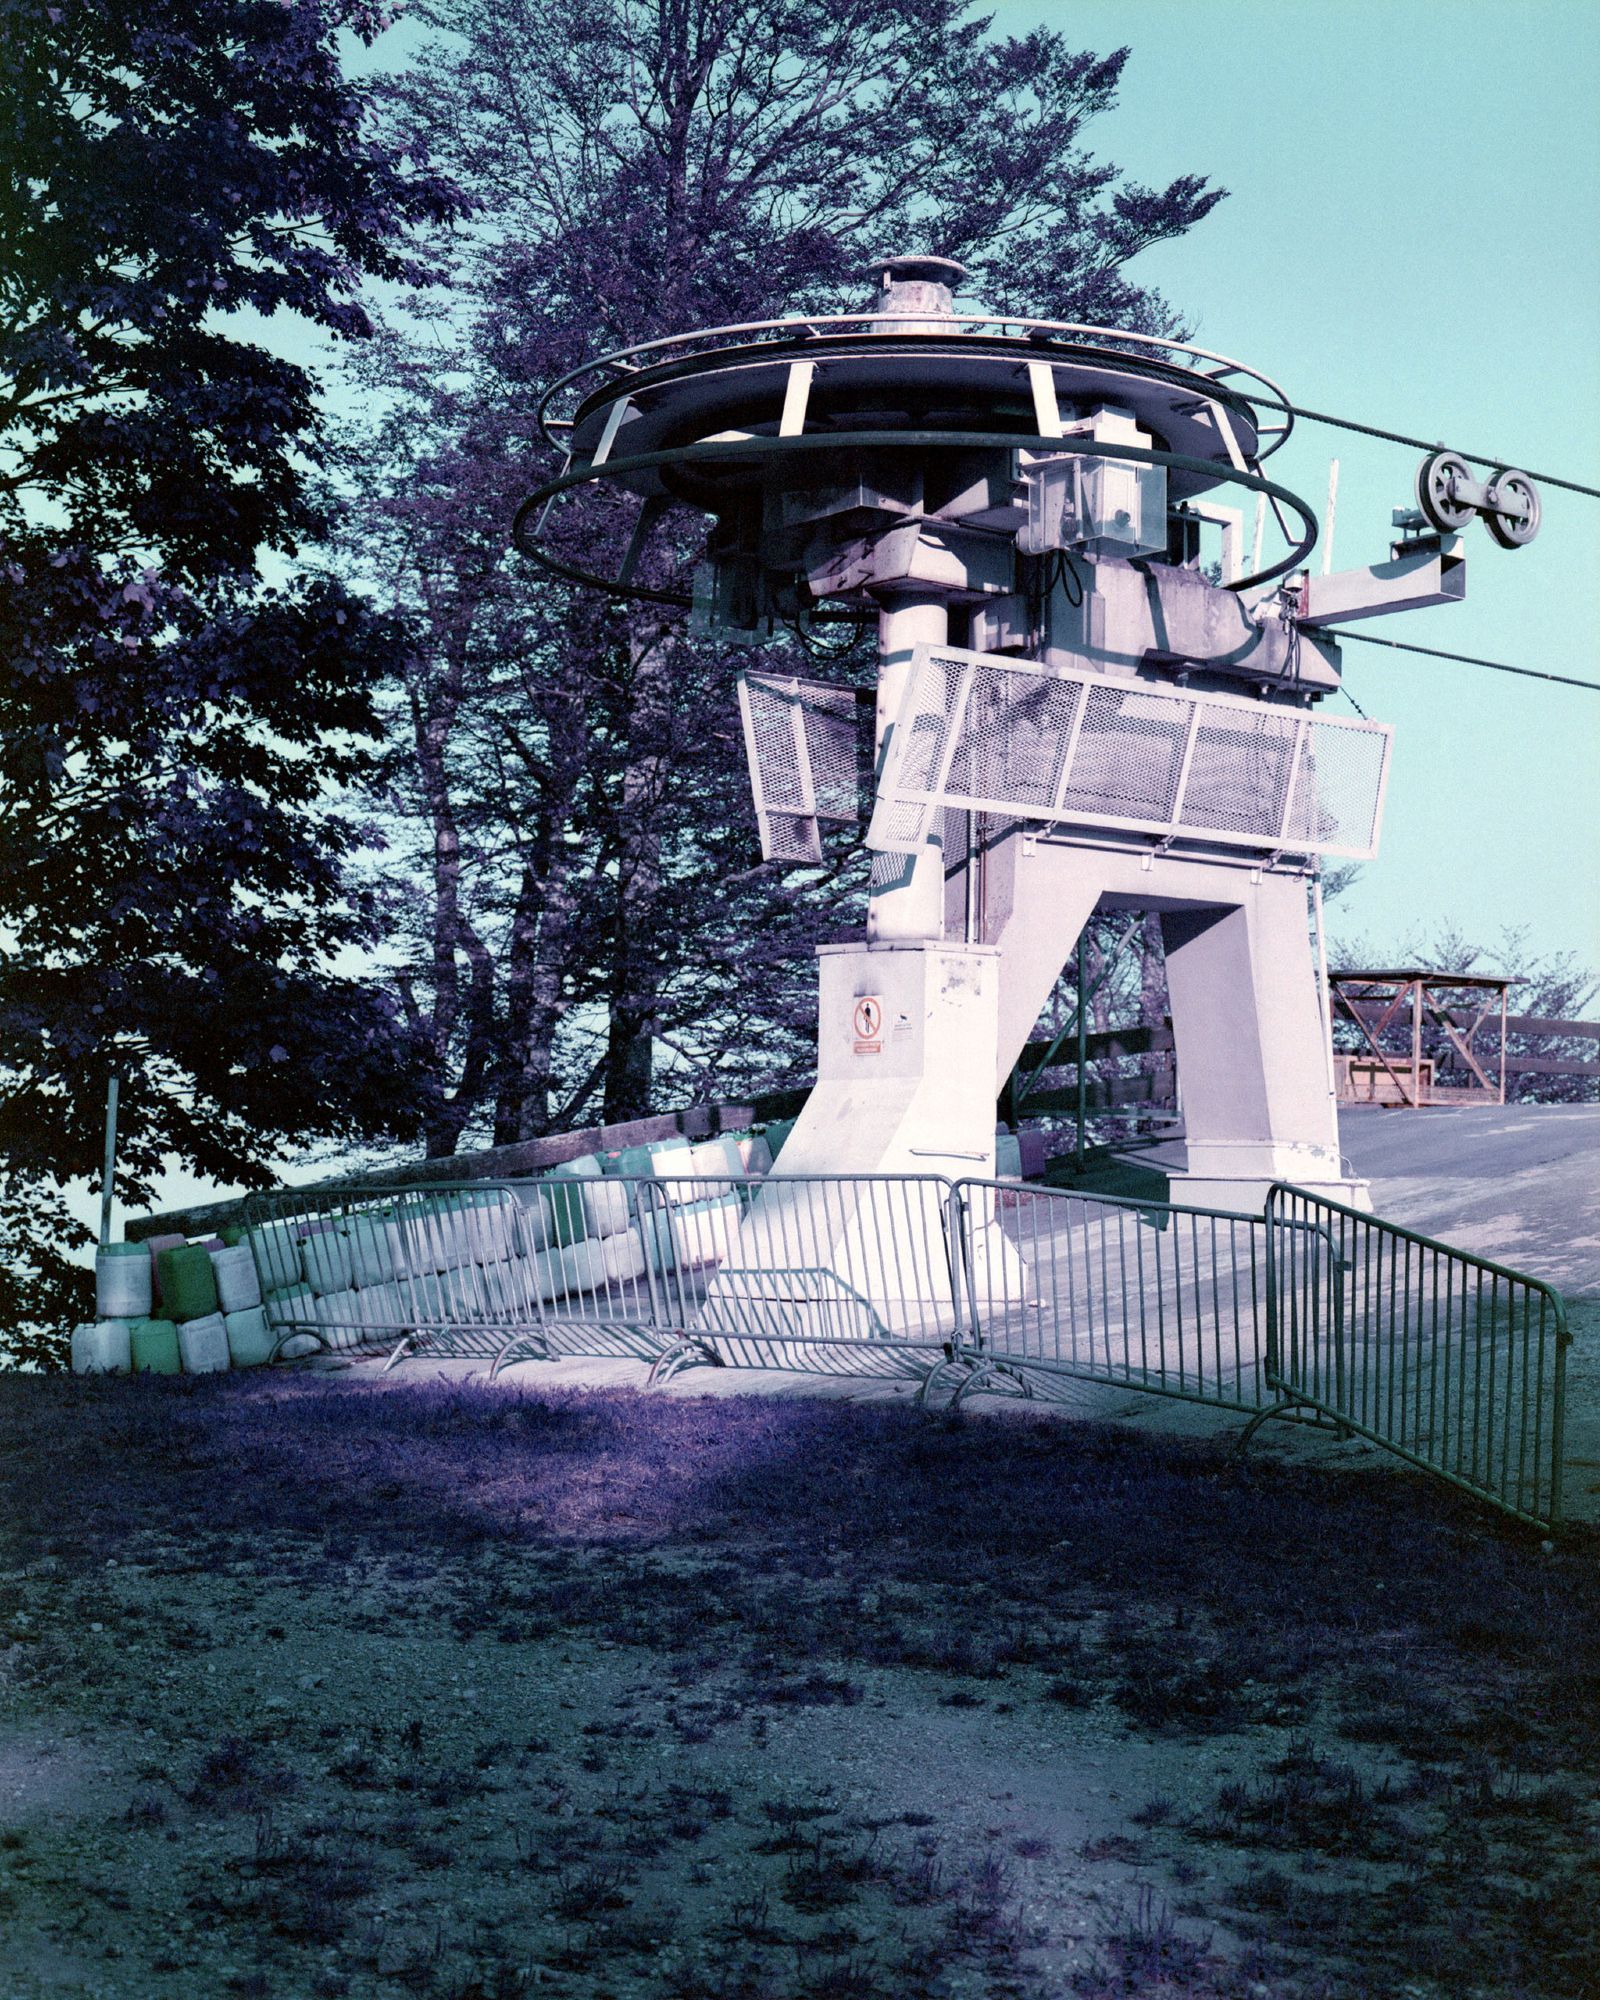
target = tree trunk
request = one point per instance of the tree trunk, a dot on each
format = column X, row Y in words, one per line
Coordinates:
column 636, row 946
column 434, row 710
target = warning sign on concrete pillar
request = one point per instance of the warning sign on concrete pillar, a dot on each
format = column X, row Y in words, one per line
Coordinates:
column 869, row 1025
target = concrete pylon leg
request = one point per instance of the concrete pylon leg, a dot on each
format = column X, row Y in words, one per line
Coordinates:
column 905, row 1087
column 907, row 896
column 1252, row 1042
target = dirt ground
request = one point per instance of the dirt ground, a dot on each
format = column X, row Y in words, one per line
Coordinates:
column 445, row 1691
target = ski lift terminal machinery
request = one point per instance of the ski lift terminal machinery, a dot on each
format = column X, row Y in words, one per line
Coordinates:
column 1076, row 710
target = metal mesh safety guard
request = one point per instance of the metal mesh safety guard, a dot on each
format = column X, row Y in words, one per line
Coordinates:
column 804, row 744
column 982, row 733
column 1452, row 1362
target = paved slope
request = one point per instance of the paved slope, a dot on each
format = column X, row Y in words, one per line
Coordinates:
column 1520, row 1184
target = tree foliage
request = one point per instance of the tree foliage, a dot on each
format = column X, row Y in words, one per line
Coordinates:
column 174, row 734
column 574, row 784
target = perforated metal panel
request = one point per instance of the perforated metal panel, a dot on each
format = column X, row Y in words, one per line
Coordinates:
column 981, row 733
column 805, row 744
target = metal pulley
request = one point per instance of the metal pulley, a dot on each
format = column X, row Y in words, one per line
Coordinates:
column 1512, row 509
column 1449, row 497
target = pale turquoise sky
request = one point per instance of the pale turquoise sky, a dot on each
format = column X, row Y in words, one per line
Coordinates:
column 1411, row 240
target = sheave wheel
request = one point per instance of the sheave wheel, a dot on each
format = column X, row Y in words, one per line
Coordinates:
column 1516, row 491
column 1435, row 478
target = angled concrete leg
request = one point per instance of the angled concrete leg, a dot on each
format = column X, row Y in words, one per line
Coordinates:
column 1252, row 1042
column 1247, row 1017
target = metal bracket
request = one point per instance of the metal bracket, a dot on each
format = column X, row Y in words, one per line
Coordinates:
column 994, row 1378
column 679, row 1354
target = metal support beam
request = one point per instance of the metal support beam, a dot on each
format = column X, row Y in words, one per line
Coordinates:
column 1435, row 576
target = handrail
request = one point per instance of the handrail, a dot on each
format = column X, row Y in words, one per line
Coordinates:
column 621, row 359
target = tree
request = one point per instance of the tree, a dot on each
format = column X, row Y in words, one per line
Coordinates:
column 651, row 169
column 175, row 735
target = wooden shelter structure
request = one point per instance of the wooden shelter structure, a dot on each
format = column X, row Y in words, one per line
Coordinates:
column 1423, row 1037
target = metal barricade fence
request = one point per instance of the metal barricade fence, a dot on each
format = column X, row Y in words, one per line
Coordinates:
column 1140, row 1294
column 780, row 1271
column 1453, row 1362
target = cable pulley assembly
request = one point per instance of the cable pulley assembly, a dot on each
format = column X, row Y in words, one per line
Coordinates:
column 1450, row 497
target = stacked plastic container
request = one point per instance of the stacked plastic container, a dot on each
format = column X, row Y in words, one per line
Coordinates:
column 168, row 1305
column 233, row 1301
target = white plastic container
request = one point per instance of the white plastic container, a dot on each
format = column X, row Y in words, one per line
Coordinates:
column 339, row 1315
column 712, row 1161
column 492, row 1232
column 580, row 1267
column 509, row 1288
column 325, row 1258
column 405, row 1245
column 238, row 1287
column 277, row 1255
column 755, row 1155
column 250, row 1339
column 203, row 1344
column 605, row 1205
column 123, row 1287
column 371, row 1250
column 538, row 1230
column 294, row 1302
column 383, row 1306
column 103, row 1347
column 624, row 1257
column 694, row 1237
column 457, row 1225
column 427, row 1297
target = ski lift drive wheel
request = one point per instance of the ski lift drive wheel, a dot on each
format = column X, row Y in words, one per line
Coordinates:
column 1436, row 477
column 1516, row 493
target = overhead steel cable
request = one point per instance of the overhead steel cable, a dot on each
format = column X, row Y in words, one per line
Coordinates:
column 1420, row 444
column 1467, row 659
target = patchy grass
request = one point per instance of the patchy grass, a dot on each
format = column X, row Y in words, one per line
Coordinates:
column 481, row 1694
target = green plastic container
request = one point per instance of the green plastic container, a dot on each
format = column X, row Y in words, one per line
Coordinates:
column 566, row 1201
column 155, row 1347
column 187, row 1283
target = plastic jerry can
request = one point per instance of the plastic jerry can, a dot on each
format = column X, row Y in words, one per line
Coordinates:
column 238, row 1287
column 122, row 1281
column 250, row 1339
column 155, row 1347
column 203, row 1344
column 186, row 1281
column 101, row 1347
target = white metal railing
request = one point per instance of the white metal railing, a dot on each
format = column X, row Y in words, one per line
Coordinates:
column 1454, row 1363
column 780, row 1270
column 1207, row 366
column 983, row 733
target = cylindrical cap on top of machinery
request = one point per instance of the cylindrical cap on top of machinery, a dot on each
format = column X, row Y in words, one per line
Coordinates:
column 921, row 287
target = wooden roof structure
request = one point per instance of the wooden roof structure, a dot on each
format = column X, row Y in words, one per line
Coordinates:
column 1414, row 1047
